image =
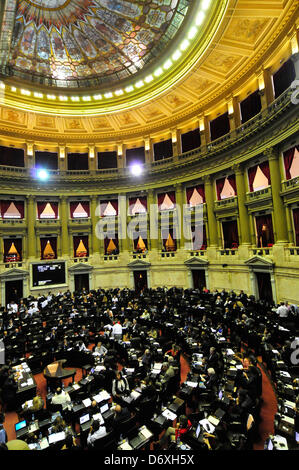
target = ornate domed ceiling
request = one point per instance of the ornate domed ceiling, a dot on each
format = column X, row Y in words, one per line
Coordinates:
column 83, row 43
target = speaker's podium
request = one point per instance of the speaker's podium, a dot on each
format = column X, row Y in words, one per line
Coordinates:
column 55, row 373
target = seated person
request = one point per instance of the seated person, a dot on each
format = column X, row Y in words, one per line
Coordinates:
column 37, row 405
column 70, row 443
column 100, row 350
column 59, row 425
column 173, row 434
column 167, row 372
column 95, row 432
column 62, row 398
column 146, row 359
column 211, row 380
column 153, row 333
column 145, row 315
column 121, row 413
column 120, row 386
column 81, row 346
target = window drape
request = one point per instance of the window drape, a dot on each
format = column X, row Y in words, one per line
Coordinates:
column 200, row 189
column 74, row 205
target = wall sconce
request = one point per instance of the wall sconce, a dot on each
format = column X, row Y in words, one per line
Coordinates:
column 61, row 152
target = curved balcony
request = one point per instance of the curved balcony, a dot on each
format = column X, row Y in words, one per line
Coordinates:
column 226, row 143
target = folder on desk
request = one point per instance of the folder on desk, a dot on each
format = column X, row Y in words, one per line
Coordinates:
column 56, row 437
column 86, row 402
column 169, row 415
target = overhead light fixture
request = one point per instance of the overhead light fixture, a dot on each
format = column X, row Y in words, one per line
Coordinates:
column 75, row 98
column 149, row 79
column 167, row 64
column 205, row 4
column 129, row 88
column 184, row 45
column 192, row 33
column 97, row 97
column 108, row 95
column 119, row 92
column 158, row 72
column 139, row 84
column 199, row 19
column 176, row 55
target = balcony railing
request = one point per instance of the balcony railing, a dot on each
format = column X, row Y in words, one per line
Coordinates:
column 261, row 194
column 139, row 255
column 261, row 251
column 228, row 252
column 291, row 184
column 111, row 257
column 227, row 203
column 193, row 253
column 167, row 254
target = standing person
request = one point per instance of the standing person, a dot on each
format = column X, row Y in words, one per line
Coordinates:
column 120, row 386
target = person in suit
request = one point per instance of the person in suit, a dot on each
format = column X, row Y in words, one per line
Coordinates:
column 121, row 413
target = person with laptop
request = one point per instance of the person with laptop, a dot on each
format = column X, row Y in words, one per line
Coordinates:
column 100, row 350
column 95, row 432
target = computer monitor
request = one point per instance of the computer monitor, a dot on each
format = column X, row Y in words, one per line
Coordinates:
column 20, row 425
column 220, row 395
column 297, row 437
column 104, row 408
column 92, row 370
column 84, row 418
column 197, row 432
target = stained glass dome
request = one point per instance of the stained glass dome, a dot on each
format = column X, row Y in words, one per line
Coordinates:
column 81, row 43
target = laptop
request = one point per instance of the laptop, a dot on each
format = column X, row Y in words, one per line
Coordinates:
column 20, row 425
column 138, row 440
column 84, row 418
column 197, row 432
column 108, row 413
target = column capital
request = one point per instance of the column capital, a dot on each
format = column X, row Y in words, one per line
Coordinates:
column 271, row 153
column 30, row 197
column 63, row 199
column 207, row 179
column 237, row 168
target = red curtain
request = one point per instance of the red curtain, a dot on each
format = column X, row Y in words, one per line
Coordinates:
column 107, row 241
column 232, row 182
column 251, row 175
column 230, row 234
column 76, row 242
column 296, row 225
column 266, row 170
column 84, row 204
column 104, row 204
column 41, row 206
column 288, row 160
column 7, row 245
column 219, row 187
column 203, row 245
column 200, row 189
column 133, row 200
column 19, row 206
column 264, row 229
column 161, row 198
column 43, row 243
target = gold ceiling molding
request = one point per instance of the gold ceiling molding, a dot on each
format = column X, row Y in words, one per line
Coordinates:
column 220, row 72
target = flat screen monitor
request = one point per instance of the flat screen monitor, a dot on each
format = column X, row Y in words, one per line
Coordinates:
column 48, row 274
column 197, row 432
column 84, row 418
column 104, row 408
column 297, row 437
column 20, row 425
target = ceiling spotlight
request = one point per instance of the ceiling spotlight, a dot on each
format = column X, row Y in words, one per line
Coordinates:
column 43, row 175
column 136, row 169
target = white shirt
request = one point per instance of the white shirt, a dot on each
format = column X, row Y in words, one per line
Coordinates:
column 283, row 311
column 63, row 399
column 101, row 432
column 117, row 329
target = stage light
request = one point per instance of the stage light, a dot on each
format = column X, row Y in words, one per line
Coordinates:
column 136, row 169
column 43, row 175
